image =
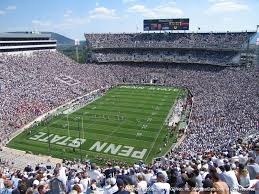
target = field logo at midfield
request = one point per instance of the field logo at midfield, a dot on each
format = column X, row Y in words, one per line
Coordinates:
column 120, row 150
column 58, row 140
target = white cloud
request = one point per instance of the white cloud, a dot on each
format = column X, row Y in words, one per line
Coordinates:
column 41, row 23
column 7, row 9
column 227, row 19
column 2, row 12
column 212, row 1
column 225, row 6
column 68, row 13
column 128, row 1
column 10, row 8
column 168, row 10
column 103, row 13
column 69, row 23
column 138, row 9
column 73, row 22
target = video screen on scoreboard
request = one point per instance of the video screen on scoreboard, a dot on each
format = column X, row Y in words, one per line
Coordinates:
column 166, row 24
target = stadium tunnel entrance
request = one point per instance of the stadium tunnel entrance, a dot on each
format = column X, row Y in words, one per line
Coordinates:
column 154, row 81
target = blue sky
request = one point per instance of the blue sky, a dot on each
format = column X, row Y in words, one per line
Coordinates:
column 73, row 18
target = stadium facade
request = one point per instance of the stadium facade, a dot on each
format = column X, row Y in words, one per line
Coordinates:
column 25, row 42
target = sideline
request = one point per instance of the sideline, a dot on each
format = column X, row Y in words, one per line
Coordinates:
column 57, row 110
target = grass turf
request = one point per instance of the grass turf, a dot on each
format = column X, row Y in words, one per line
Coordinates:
column 124, row 116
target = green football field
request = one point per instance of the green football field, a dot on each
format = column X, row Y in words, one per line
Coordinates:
column 126, row 124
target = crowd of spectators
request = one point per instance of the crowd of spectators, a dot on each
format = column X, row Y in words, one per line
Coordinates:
column 225, row 99
column 229, row 40
column 201, row 48
column 32, row 85
column 233, row 169
column 213, row 155
column 198, row 57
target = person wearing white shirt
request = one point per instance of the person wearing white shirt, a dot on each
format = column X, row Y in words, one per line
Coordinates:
column 107, row 186
column 198, row 178
column 95, row 174
column 255, row 186
column 242, row 159
column 77, row 182
column 147, row 175
column 204, row 172
column 160, row 187
column 62, row 173
column 230, row 178
column 112, row 187
column 1, row 182
column 220, row 162
column 141, row 185
column 85, row 181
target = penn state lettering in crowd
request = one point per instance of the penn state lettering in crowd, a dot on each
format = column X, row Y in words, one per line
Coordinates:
column 219, row 154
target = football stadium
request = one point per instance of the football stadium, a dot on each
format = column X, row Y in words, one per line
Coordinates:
column 163, row 110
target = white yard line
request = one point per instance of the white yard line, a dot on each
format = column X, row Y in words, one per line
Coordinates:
column 153, row 144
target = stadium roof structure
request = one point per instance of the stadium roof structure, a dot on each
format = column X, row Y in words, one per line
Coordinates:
column 25, row 42
column 23, row 35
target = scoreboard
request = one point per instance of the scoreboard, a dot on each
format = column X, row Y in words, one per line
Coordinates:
column 166, row 24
